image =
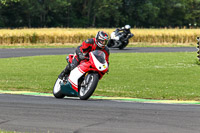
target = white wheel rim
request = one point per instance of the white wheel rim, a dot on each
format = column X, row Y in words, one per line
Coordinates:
column 57, row 88
column 84, row 90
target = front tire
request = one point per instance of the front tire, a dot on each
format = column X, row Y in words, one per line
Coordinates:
column 57, row 89
column 123, row 45
column 86, row 91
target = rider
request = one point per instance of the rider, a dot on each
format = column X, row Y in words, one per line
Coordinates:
column 125, row 29
column 117, row 35
column 82, row 51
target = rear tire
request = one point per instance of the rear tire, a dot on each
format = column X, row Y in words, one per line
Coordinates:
column 57, row 89
column 86, row 92
column 110, row 43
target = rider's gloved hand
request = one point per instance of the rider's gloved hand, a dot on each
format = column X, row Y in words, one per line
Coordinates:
column 131, row 35
column 81, row 56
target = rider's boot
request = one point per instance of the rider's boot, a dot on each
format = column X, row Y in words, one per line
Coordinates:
column 66, row 71
column 68, row 68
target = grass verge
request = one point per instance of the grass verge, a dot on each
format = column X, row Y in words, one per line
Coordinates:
column 139, row 75
column 3, row 131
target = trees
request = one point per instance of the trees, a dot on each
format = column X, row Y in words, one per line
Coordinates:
column 108, row 13
column 193, row 12
column 7, row 2
column 99, row 13
column 141, row 13
column 34, row 13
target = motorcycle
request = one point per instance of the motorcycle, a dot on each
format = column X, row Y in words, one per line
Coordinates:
column 82, row 80
column 119, row 40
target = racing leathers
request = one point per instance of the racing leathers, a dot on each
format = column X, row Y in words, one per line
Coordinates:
column 81, row 53
column 127, row 32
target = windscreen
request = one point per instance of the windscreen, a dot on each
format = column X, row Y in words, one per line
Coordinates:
column 100, row 55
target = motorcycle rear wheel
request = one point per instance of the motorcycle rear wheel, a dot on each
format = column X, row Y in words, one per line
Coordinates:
column 110, row 43
column 57, row 89
column 86, row 91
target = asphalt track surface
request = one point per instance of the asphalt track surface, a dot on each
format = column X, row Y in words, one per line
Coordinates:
column 48, row 114
column 6, row 53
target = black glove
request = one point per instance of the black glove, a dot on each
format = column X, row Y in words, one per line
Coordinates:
column 81, row 56
column 79, row 53
column 132, row 35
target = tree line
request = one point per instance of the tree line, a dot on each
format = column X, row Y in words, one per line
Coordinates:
column 99, row 13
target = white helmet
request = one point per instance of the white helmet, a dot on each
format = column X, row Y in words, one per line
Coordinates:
column 127, row 27
column 101, row 39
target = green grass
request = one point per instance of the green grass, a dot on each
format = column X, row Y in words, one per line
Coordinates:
column 141, row 75
column 3, row 131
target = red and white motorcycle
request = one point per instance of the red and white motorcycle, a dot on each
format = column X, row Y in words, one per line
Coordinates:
column 83, row 79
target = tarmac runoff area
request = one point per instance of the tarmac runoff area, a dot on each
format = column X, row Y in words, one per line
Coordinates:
column 122, row 99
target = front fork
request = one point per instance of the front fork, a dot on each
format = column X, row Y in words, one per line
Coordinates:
column 86, row 80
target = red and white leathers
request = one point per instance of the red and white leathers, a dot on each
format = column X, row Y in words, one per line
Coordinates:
column 90, row 45
column 83, row 50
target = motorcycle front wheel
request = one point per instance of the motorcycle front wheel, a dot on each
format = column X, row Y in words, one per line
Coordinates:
column 57, row 89
column 123, row 45
column 87, row 89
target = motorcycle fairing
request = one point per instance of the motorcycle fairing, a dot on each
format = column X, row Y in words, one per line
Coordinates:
column 81, row 69
column 98, row 65
column 66, row 88
column 70, row 87
column 75, row 74
column 70, row 58
column 114, row 37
